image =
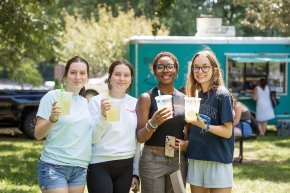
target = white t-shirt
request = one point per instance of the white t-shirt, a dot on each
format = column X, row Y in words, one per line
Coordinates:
column 114, row 140
column 70, row 138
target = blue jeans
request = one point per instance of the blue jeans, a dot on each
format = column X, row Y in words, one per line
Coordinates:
column 247, row 129
column 58, row 176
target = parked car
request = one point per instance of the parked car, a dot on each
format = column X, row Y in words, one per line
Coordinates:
column 95, row 86
column 18, row 108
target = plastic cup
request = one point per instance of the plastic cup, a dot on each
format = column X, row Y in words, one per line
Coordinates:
column 192, row 105
column 164, row 101
column 113, row 114
column 64, row 101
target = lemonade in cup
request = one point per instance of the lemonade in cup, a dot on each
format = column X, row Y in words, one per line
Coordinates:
column 113, row 114
column 64, row 101
column 164, row 101
column 192, row 105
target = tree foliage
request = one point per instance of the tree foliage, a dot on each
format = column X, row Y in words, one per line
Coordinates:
column 267, row 17
column 27, row 73
column 103, row 41
column 29, row 28
column 26, row 34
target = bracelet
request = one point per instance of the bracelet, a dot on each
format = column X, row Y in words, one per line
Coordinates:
column 146, row 127
column 52, row 121
column 151, row 125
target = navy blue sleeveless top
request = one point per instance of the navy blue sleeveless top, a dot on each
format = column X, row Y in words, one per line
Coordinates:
column 174, row 126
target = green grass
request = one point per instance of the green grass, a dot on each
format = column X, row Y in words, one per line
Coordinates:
column 266, row 166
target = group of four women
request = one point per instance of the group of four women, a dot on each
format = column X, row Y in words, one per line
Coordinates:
column 85, row 146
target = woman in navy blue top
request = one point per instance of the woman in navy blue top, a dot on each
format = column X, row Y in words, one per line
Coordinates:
column 211, row 143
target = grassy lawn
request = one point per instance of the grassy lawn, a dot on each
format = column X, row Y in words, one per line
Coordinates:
column 266, row 167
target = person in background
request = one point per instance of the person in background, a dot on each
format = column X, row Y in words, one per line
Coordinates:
column 114, row 142
column 264, row 108
column 154, row 125
column 242, row 120
column 62, row 167
column 211, row 142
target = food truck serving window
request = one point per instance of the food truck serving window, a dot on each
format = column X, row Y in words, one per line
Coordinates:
column 245, row 72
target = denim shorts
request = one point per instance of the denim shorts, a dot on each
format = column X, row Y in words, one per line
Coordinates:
column 58, row 176
column 246, row 128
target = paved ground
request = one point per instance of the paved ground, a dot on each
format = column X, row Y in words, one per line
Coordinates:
column 10, row 131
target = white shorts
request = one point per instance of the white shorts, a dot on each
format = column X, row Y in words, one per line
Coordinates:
column 210, row 174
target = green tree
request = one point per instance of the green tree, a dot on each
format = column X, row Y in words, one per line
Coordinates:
column 103, row 41
column 267, row 17
column 27, row 30
column 27, row 73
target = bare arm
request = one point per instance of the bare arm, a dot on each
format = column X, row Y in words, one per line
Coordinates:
column 238, row 113
column 143, row 107
column 142, row 110
column 255, row 94
column 224, row 130
column 43, row 126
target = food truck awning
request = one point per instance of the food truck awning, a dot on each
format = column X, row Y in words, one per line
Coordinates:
column 260, row 59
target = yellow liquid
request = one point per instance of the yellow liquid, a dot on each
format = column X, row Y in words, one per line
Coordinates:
column 190, row 115
column 113, row 114
column 65, row 107
column 64, row 102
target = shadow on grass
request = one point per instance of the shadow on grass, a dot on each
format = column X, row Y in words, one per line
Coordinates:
column 20, row 169
column 267, row 170
column 19, row 159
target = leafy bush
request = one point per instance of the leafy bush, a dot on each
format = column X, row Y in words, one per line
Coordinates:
column 103, row 41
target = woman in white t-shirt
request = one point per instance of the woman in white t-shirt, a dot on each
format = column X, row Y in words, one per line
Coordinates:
column 66, row 153
column 114, row 141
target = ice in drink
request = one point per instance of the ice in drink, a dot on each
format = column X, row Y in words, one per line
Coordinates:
column 64, row 101
column 164, row 101
column 192, row 105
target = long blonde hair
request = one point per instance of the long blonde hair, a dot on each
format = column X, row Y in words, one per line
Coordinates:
column 216, row 80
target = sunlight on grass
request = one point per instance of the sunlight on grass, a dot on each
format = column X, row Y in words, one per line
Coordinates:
column 249, row 186
column 266, row 166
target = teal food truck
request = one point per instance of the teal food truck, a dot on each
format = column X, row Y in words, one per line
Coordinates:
column 244, row 61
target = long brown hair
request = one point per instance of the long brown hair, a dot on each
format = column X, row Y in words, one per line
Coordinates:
column 263, row 83
column 216, row 80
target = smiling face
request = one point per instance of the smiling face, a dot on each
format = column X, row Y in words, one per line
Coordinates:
column 165, row 70
column 76, row 77
column 121, row 78
column 202, row 70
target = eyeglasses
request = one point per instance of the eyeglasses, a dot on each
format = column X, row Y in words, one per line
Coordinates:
column 196, row 69
column 161, row 67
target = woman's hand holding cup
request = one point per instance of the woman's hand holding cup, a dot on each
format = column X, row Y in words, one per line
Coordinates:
column 55, row 112
column 198, row 121
column 161, row 115
column 105, row 106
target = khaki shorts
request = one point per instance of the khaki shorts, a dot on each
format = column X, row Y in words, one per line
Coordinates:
column 210, row 174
